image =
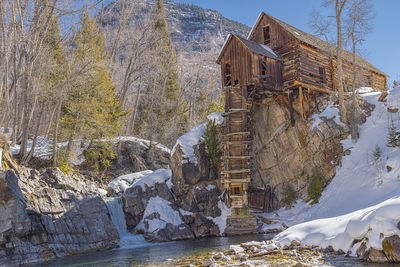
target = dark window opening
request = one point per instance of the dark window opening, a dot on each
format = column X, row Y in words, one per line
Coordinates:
column 369, row 80
column 263, row 70
column 236, row 82
column 228, row 75
column 267, row 35
column 322, row 75
column 236, row 190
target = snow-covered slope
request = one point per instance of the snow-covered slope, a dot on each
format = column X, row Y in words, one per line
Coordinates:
column 363, row 200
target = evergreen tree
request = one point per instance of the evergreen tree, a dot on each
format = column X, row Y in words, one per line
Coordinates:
column 91, row 110
column 211, row 141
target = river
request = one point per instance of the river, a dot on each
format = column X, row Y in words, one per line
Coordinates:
column 136, row 251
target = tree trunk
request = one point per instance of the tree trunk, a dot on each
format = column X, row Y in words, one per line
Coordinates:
column 55, row 137
column 339, row 8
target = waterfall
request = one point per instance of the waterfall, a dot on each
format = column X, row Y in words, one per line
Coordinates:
column 126, row 239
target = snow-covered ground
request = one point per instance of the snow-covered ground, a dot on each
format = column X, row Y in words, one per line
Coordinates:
column 363, row 199
column 43, row 149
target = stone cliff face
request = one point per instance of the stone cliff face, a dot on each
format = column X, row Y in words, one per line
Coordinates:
column 192, row 28
column 48, row 214
column 286, row 155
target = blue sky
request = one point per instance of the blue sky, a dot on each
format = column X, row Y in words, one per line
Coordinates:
column 382, row 45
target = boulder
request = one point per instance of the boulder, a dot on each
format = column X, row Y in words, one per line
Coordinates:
column 134, row 155
column 391, row 248
column 48, row 214
column 376, row 256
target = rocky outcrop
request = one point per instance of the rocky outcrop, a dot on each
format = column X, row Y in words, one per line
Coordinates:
column 48, row 214
column 134, row 155
column 391, row 248
column 189, row 193
column 286, row 155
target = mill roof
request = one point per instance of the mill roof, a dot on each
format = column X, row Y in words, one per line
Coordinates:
column 254, row 47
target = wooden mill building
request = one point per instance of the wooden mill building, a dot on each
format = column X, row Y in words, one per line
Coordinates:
column 279, row 60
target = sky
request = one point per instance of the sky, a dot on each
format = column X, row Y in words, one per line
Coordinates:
column 381, row 47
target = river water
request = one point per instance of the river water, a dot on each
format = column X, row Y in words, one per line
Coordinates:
column 135, row 250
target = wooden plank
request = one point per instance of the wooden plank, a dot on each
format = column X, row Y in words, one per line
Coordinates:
column 302, row 102
column 236, row 157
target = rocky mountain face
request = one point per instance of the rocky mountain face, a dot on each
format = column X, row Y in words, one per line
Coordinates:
column 192, row 28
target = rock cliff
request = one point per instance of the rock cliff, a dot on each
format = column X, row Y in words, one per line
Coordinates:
column 47, row 214
column 284, row 155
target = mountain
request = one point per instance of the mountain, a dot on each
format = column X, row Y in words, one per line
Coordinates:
column 191, row 28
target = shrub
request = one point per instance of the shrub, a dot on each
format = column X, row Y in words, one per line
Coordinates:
column 393, row 137
column 289, row 195
column 315, row 188
column 212, row 144
column 388, row 168
column 98, row 156
column 377, row 153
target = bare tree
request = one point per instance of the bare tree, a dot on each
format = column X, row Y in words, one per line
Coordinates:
column 358, row 24
column 339, row 7
column 321, row 26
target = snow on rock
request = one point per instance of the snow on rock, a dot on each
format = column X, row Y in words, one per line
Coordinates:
column 363, row 90
column 210, row 187
column 143, row 142
column 166, row 214
column 330, row 112
column 121, row 183
column 372, row 225
column 221, row 220
column 217, row 117
column 152, row 178
column 188, row 141
column 192, row 138
column 43, row 148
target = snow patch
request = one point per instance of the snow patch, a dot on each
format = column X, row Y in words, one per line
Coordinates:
column 217, row 117
column 166, row 215
column 188, row 141
column 221, row 220
column 371, row 224
column 157, row 177
column 210, row 187
column 121, row 183
column 330, row 112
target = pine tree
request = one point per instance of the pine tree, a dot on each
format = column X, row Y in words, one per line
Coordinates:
column 91, row 110
column 211, row 141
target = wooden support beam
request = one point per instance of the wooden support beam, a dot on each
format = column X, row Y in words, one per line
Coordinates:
column 235, row 171
column 309, row 102
column 302, row 102
column 236, row 157
column 292, row 122
column 311, row 87
column 237, row 133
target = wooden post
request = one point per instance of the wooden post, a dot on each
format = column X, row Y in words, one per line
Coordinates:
column 292, row 122
column 302, row 102
column 309, row 102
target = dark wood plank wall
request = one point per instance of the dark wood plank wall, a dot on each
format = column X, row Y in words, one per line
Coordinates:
column 310, row 60
column 240, row 60
column 279, row 36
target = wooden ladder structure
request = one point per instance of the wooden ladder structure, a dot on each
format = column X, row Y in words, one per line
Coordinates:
column 237, row 147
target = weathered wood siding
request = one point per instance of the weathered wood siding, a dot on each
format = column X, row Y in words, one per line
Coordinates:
column 279, row 36
column 240, row 60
